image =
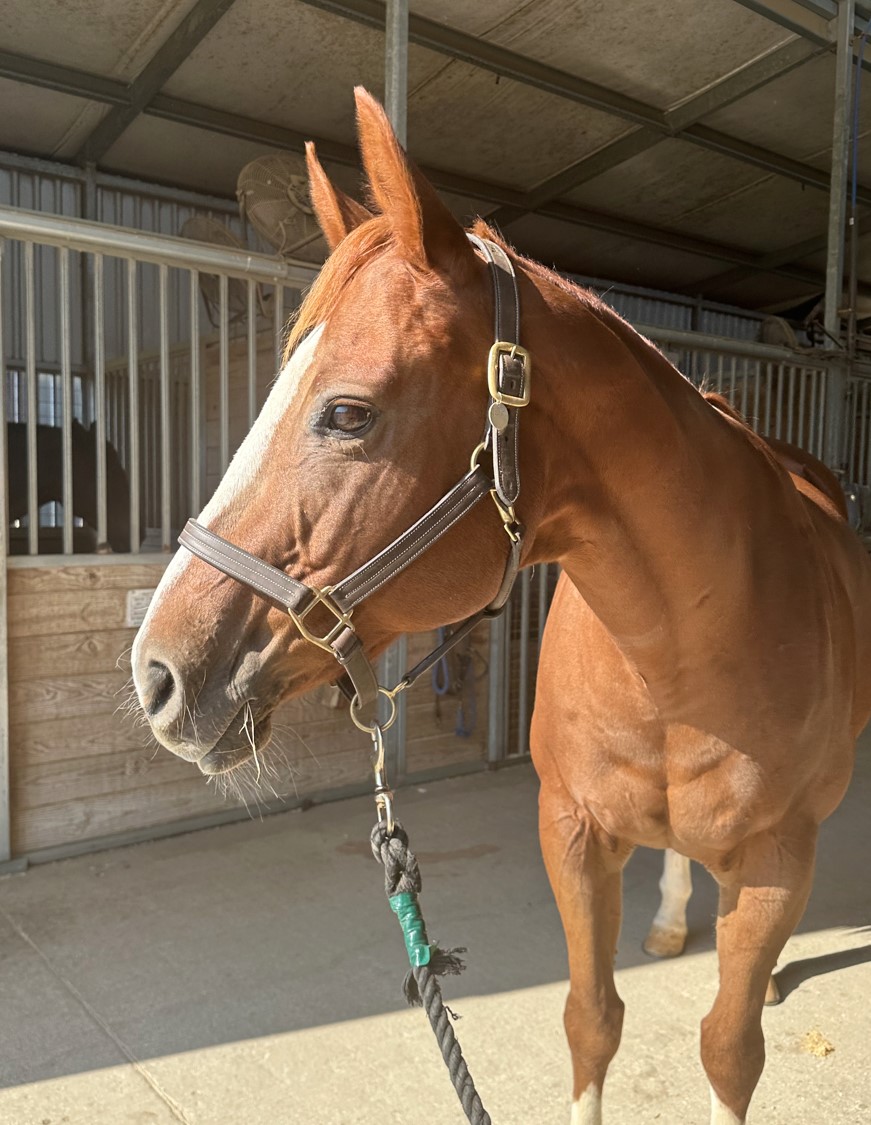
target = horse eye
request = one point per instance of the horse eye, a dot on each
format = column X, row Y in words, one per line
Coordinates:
column 349, row 417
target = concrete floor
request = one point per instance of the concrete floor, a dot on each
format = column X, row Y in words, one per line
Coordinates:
column 250, row 974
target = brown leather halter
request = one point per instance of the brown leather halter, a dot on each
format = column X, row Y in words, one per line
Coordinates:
column 508, row 380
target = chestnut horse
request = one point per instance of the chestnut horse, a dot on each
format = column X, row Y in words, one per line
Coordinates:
column 705, row 668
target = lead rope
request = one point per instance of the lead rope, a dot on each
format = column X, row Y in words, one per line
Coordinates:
column 402, row 884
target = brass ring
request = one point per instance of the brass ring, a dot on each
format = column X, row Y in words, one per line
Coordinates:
column 388, row 722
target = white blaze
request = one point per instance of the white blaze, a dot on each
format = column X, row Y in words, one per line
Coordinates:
column 246, row 463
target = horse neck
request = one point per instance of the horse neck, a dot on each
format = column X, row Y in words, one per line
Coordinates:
column 645, row 491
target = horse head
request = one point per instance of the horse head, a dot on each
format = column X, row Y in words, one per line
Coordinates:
column 381, row 401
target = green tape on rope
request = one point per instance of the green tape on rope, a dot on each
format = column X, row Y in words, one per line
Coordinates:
column 407, row 909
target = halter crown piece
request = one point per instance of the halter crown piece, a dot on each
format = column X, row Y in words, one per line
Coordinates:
column 508, row 381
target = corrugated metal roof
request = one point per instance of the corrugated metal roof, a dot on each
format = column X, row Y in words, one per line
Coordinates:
column 577, row 82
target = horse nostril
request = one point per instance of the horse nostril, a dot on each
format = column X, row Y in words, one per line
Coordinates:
column 159, row 688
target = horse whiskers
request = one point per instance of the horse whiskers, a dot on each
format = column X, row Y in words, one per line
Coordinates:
column 292, row 729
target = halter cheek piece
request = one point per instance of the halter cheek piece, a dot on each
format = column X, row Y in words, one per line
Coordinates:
column 508, row 381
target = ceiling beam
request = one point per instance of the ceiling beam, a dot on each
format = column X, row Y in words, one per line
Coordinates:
column 183, row 112
column 741, row 82
column 62, row 79
column 812, row 19
column 445, row 40
column 786, row 255
column 798, row 19
column 192, row 30
column 519, row 68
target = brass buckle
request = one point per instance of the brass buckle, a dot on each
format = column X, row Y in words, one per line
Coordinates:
column 322, row 597
column 501, row 347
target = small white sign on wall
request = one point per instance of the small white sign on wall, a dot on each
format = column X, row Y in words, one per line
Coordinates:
column 138, row 602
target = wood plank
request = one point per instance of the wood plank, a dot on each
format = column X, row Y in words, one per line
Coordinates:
column 48, row 783
column 66, row 611
column 35, row 657
column 71, row 696
column 48, row 580
column 123, row 810
column 69, row 737
column 108, row 814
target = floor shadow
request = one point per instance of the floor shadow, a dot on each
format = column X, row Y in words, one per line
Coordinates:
column 254, row 929
column 795, row 973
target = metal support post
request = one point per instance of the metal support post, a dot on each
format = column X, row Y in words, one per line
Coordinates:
column 396, row 67
column 840, row 170
column 392, row 668
column 395, row 660
column 837, row 376
column 497, row 700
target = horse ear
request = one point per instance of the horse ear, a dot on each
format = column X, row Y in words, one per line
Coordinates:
column 423, row 226
column 337, row 214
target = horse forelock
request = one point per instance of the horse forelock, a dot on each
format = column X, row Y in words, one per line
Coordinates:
column 355, row 251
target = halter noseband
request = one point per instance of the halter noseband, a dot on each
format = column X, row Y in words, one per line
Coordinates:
column 508, row 381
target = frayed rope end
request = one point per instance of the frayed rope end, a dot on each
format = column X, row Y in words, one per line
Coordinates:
column 442, row 963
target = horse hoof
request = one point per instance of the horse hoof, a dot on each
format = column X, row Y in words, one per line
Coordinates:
column 772, row 993
column 662, row 943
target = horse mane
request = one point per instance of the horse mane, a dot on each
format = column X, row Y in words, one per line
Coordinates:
column 571, row 288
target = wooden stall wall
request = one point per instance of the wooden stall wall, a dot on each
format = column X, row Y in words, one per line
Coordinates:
column 85, row 772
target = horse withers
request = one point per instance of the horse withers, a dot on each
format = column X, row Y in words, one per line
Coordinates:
column 705, row 667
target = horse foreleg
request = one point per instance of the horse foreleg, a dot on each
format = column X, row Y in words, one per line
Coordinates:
column 668, row 931
column 585, row 867
column 763, row 893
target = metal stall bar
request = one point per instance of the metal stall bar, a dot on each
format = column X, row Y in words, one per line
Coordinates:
column 32, row 401
column 543, row 574
column 865, row 462
column 523, row 688
column 278, row 325
column 133, row 404
column 854, row 437
column 252, row 353
column 99, row 354
column 196, row 497
column 396, row 67
column 811, row 379
column 394, row 664
column 779, row 405
column 757, row 376
column 224, row 372
column 165, row 433
column 5, row 820
column 821, row 416
column 79, row 234
column 801, row 428
column 66, row 402
column 497, row 697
